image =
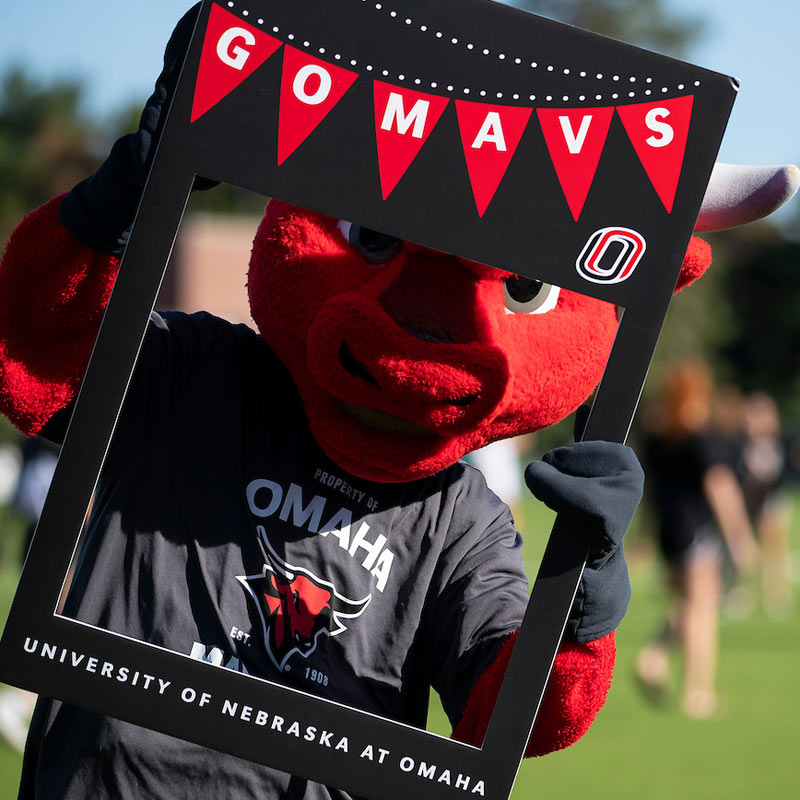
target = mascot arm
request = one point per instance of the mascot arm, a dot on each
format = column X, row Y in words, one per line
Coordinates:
column 576, row 691
column 53, row 291
column 60, row 264
column 598, row 485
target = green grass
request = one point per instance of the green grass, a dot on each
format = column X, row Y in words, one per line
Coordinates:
column 655, row 753
column 637, row 750
column 634, row 749
column 11, row 534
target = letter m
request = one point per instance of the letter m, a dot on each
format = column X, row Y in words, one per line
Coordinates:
column 395, row 114
column 211, row 656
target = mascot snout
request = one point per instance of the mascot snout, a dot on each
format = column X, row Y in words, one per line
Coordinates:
column 363, row 356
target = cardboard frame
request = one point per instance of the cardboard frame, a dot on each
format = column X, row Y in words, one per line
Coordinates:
column 333, row 169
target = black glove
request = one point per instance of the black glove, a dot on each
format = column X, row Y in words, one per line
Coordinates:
column 600, row 484
column 99, row 211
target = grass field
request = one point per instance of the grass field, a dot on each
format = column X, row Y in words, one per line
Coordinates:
column 634, row 749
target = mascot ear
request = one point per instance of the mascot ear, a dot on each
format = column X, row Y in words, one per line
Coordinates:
column 696, row 261
column 735, row 196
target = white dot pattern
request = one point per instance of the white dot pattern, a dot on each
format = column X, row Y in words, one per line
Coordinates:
column 485, row 51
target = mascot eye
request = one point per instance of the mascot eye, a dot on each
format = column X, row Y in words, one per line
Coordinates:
column 374, row 247
column 528, row 296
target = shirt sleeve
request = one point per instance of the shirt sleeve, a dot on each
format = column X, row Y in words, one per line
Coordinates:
column 479, row 592
column 712, row 450
column 178, row 352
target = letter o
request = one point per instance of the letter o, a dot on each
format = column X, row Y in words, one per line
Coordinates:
column 407, row 764
column 300, row 80
column 236, row 56
column 275, row 500
column 188, row 695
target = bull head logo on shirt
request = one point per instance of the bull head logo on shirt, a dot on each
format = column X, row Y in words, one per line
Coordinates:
column 296, row 606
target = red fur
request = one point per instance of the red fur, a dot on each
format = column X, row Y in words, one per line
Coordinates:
column 696, row 261
column 576, row 691
column 310, row 293
column 46, row 335
column 477, row 375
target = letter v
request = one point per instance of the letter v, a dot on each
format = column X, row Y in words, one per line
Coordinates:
column 575, row 157
column 575, row 143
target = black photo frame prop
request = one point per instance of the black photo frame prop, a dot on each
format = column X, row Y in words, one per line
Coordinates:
column 614, row 227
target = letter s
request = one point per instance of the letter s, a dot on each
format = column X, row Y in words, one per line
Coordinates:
column 235, row 56
column 654, row 121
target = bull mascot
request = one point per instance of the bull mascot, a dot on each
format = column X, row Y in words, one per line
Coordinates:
column 304, row 486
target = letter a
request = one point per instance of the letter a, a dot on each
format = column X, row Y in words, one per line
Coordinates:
column 489, row 135
column 491, row 131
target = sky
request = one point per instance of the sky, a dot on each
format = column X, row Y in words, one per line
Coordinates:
column 116, row 50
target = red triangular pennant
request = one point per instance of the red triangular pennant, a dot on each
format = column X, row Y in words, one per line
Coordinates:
column 403, row 121
column 575, row 138
column 232, row 52
column 490, row 135
column 310, row 88
column 658, row 132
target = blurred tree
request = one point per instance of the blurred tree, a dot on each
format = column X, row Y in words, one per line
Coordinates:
column 697, row 324
column 646, row 23
column 229, row 199
column 46, row 143
column 761, row 285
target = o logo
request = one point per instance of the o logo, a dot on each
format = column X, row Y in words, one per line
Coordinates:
column 611, row 255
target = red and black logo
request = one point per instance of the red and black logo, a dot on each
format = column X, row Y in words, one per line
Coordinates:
column 296, row 607
column 611, row 255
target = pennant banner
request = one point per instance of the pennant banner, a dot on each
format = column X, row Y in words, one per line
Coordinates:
column 575, row 140
column 490, row 135
column 404, row 119
column 232, row 52
column 658, row 132
column 310, row 88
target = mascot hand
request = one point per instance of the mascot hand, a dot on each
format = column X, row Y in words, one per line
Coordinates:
column 99, row 211
column 600, row 484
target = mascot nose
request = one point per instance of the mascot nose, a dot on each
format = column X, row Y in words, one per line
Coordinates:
column 409, row 345
column 433, row 297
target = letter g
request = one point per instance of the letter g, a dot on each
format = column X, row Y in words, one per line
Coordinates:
column 235, row 56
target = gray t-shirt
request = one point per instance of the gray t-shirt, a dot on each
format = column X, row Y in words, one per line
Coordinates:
column 221, row 530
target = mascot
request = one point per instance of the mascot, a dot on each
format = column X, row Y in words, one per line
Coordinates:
column 292, row 504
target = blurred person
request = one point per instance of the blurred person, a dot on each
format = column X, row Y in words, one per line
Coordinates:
column 10, row 465
column 764, row 466
column 726, row 426
column 697, row 497
column 501, row 463
column 39, row 459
